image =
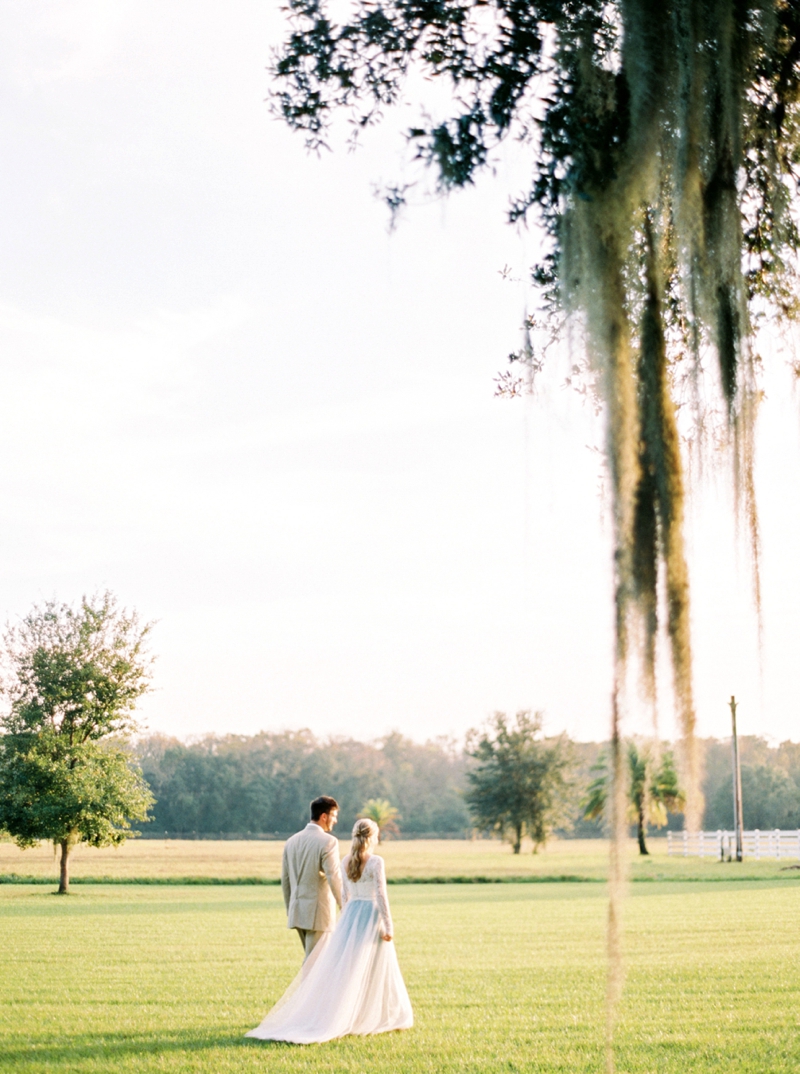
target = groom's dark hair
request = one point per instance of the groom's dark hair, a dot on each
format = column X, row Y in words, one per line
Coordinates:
column 323, row 804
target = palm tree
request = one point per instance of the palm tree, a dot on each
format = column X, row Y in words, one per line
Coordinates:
column 653, row 792
column 384, row 814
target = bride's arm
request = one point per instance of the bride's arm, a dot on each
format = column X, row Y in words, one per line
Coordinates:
column 383, row 898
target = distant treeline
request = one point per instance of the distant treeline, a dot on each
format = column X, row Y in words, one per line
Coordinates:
column 770, row 784
column 262, row 784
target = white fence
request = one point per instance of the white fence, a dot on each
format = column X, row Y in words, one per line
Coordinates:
column 722, row 845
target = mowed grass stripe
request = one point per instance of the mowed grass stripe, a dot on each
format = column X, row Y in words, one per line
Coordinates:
column 502, row 977
column 409, row 861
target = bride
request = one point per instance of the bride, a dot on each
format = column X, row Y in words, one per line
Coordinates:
column 351, row 983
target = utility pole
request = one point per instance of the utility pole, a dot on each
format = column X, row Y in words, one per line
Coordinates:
column 737, row 785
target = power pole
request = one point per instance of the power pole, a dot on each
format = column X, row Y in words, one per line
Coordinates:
column 737, row 785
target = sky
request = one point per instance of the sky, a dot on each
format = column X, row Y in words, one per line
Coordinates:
column 231, row 395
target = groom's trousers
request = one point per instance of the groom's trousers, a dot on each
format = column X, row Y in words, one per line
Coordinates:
column 309, row 939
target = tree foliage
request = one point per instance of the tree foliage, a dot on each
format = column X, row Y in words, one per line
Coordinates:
column 652, row 790
column 663, row 148
column 519, row 783
column 237, row 784
column 72, row 679
column 770, row 784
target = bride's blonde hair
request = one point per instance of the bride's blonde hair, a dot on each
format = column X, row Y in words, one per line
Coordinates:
column 365, row 833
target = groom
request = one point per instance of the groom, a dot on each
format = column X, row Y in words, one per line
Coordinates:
column 310, row 875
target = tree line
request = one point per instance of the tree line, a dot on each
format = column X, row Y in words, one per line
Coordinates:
column 262, row 784
column 770, row 783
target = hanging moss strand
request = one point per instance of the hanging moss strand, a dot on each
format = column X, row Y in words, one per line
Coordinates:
column 662, row 481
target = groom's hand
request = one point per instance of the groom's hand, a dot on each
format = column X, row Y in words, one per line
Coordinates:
column 387, row 936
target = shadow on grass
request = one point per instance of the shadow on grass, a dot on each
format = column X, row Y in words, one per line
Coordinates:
column 115, row 1046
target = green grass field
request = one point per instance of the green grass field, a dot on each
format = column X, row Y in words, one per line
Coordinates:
column 142, row 859
column 503, row 978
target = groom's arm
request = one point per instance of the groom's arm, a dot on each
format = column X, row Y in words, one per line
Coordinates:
column 330, row 866
column 286, row 886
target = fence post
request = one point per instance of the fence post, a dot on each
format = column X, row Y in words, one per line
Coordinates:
column 669, row 844
column 757, row 835
column 685, row 843
column 719, row 845
column 778, row 844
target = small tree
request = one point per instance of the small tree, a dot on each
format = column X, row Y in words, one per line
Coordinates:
column 384, row 814
column 519, row 785
column 653, row 791
column 72, row 679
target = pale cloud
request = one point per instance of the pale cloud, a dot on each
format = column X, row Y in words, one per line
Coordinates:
column 75, row 42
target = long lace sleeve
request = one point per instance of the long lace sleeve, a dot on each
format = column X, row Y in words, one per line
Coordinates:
column 345, row 881
column 382, row 895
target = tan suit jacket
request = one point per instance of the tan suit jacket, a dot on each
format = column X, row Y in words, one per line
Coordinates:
column 311, row 880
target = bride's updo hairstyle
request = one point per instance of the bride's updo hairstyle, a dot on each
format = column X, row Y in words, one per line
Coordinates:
column 365, row 834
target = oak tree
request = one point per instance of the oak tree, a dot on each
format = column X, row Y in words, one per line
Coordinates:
column 519, row 783
column 72, row 677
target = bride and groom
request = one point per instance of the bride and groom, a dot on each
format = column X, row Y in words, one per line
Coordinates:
column 350, row 981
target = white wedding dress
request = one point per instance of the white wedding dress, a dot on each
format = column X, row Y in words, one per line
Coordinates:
column 351, row 982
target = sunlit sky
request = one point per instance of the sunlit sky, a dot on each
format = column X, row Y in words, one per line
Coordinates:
column 231, row 396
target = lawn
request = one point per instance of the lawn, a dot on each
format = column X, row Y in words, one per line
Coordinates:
column 142, row 859
column 503, row 978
